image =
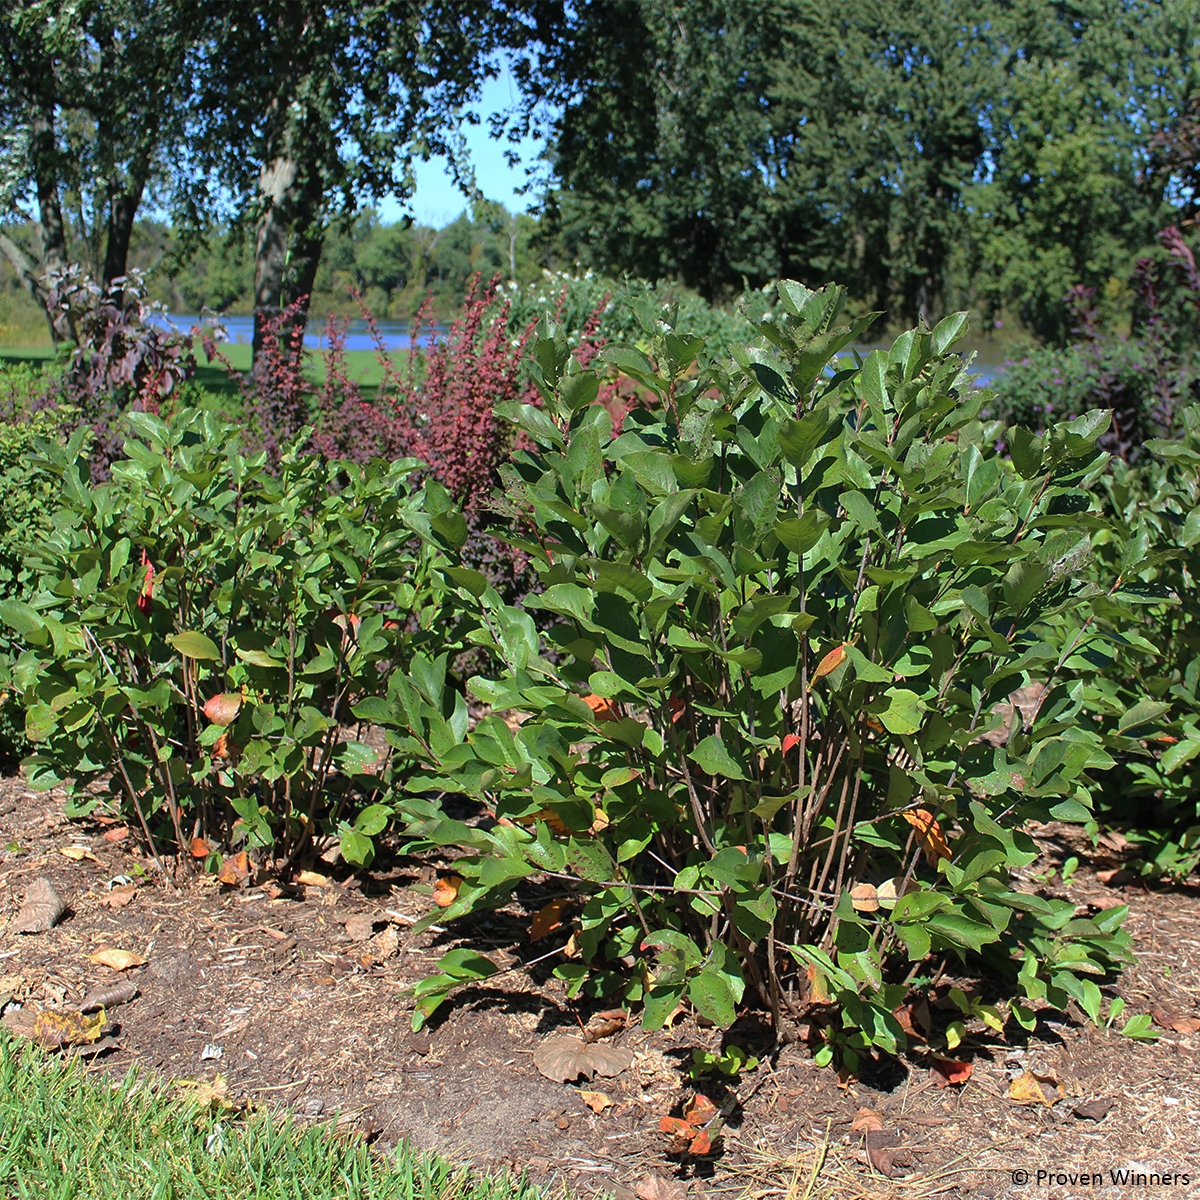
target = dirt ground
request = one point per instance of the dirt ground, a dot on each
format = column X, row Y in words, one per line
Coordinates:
column 296, row 1000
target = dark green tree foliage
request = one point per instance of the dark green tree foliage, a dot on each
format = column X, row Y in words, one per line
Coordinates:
column 304, row 110
column 946, row 152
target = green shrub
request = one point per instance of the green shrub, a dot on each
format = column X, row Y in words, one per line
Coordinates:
column 199, row 630
column 1152, row 548
column 790, row 602
column 27, row 500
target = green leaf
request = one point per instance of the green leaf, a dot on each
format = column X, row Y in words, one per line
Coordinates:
column 19, row 616
column 1025, row 449
column 192, row 644
column 904, row 711
column 357, row 849
column 712, row 757
column 712, row 997
column 1145, row 712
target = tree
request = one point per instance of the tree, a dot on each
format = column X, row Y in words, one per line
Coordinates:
column 305, row 110
column 92, row 90
column 932, row 154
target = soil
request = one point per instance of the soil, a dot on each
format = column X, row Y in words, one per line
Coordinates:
column 296, row 1000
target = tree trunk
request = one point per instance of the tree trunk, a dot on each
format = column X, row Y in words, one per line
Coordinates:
column 122, row 209
column 45, row 166
column 287, row 249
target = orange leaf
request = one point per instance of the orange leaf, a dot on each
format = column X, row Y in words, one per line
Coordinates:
column 200, row 848
column 235, row 871
column 445, row 891
column 945, row 1072
column 818, row 988
column 830, row 662
column 790, row 740
column 604, row 709
column 223, row 707
column 678, row 709
column 699, row 1110
column 701, row 1143
column 1029, row 1088
column 547, row 919
column 117, row 835
column 549, row 816
column 929, row 833
column 864, row 898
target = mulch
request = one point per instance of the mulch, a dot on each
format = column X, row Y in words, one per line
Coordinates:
column 295, row 999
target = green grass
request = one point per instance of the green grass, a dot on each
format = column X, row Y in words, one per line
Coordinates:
column 67, row 1134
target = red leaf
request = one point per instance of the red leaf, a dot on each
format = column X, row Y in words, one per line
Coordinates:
column 945, row 1072
column 222, row 708
column 790, row 740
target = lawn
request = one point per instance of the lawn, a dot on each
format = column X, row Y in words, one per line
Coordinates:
column 65, row 1132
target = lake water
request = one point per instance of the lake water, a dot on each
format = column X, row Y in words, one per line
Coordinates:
column 990, row 357
column 396, row 335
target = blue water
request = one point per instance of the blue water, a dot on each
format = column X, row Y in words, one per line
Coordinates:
column 396, row 335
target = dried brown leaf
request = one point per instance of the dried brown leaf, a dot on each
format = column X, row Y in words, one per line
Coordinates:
column 235, row 871
column 657, row 1187
column 866, row 1119
column 119, row 960
column 1093, row 1110
column 881, row 1150
column 563, row 1058
column 360, row 927
column 119, row 896
column 42, row 910
column 109, row 997
column 1168, row 1018
column 77, row 853
column 312, row 879
column 117, row 835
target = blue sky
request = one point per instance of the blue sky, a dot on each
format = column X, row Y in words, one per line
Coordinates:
column 437, row 201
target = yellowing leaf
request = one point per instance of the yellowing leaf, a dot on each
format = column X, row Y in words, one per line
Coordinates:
column 929, row 834
column 119, row 960
column 828, row 664
column 77, row 853
column 1029, row 1088
column 54, row 1029
column 596, row 1101
column 547, row 919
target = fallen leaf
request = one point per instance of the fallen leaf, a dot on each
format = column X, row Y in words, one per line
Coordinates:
column 604, row 709
column 656, row 1187
column 312, row 879
column 386, row 943
column 1117, row 877
column 117, row 835
column 110, row 997
column 77, row 853
column 445, row 891
column 119, row 960
column 547, row 919
column 212, row 1093
column 1029, row 1088
column 1093, row 1110
column 56, row 1029
column 947, row 1072
column 235, row 871
column 564, row 1058
column 914, row 1019
column 864, row 898
column 605, row 1024
column 118, row 897
column 200, row 848
column 596, row 1101
column 881, row 1145
column 222, row 708
column 929, row 833
column 42, row 910
column 359, row 927
column 1168, row 1018
column 691, row 1133
column 866, row 1119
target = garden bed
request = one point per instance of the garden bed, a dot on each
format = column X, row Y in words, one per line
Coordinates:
column 297, row 1000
